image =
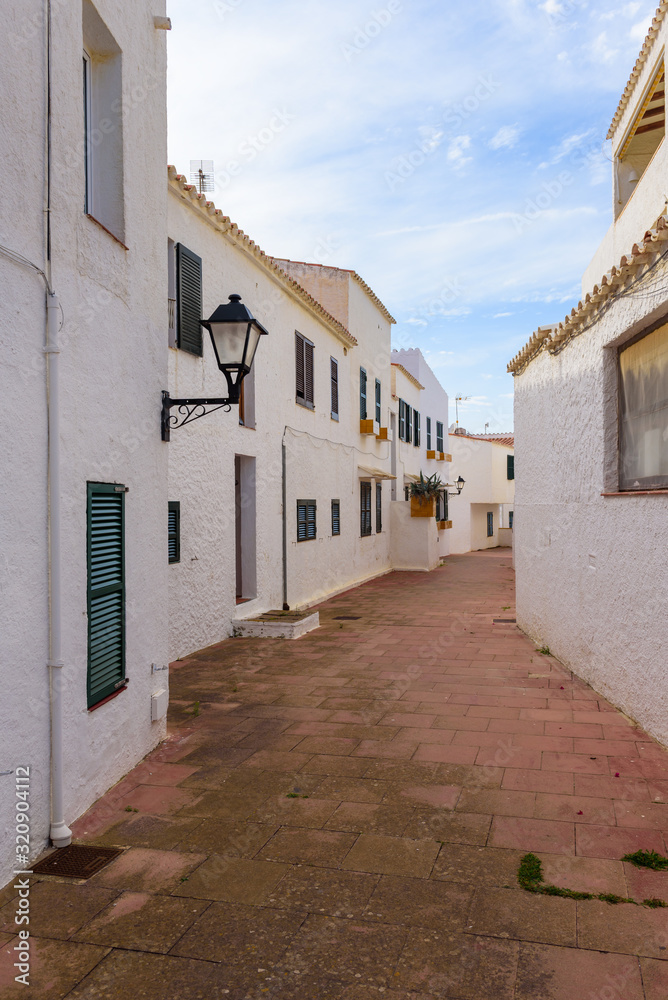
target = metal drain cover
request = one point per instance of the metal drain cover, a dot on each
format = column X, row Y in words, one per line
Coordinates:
column 504, row 621
column 76, row 861
column 348, row 618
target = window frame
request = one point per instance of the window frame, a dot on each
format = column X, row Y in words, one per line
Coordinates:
column 308, row 505
column 174, row 507
column 510, row 467
column 416, row 428
column 308, row 362
column 439, row 437
column 363, row 393
column 428, row 433
column 490, row 524
column 336, row 518
column 647, row 483
column 402, row 420
column 365, row 508
column 334, row 388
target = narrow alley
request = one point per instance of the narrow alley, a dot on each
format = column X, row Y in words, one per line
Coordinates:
column 343, row 817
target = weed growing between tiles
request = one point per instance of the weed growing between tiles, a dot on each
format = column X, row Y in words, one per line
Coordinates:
column 530, row 878
column 647, row 859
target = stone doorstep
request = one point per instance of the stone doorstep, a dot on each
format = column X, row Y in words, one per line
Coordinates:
column 277, row 625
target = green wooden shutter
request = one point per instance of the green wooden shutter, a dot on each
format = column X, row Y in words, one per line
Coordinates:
column 439, row 436
column 511, row 466
column 334, row 384
column 365, row 508
column 409, row 424
column 402, row 420
column 106, row 590
column 188, row 300
column 306, row 520
column 428, row 433
column 379, row 507
column 174, row 531
column 416, row 428
column 336, row 517
column 378, row 406
column 362, row 394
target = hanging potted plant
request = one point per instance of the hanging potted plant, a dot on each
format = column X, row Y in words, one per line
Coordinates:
column 423, row 495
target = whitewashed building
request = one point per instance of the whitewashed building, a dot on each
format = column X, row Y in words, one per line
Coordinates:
column 591, row 425
column 483, row 514
column 83, row 590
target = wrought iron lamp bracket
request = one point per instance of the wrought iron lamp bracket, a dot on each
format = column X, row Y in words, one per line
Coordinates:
column 189, row 410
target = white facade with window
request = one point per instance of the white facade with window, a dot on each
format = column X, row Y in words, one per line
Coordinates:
column 482, row 516
column 591, row 533
column 107, row 152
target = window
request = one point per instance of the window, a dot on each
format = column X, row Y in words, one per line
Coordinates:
column 407, row 492
column 409, row 424
column 643, row 412
column 102, row 145
column 439, row 436
column 247, row 400
column 428, row 433
column 510, row 462
column 642, row 140
column 510, row 518
column 378, row 406
column 334, row 388
column 365, row 508
column 304, row 371
column 336, row 517
column 416, row 428
column 306, row 523
column 379, row 508
column 362, row 394
column 402, row 420
column 106, row 590
column 490, row 524
column 174, row 531
column 442, row 506
column 188, row 300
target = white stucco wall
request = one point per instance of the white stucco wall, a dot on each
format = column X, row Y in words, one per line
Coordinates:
column 484, row 466
column 591, row 570
column 113, row 366
column 323, row 455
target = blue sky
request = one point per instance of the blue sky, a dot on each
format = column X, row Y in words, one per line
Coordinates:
column 453, row 154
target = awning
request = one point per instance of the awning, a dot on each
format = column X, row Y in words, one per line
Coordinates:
column 411, row 479
column 370, row 473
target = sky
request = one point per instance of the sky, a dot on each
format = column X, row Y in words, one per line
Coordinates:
column 452, row 153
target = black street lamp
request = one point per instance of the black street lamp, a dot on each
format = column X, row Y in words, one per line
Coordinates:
column 460, row 486
column 235, row 335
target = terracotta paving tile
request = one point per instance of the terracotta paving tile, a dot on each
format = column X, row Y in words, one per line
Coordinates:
column 403, row 719
column 58, row 909
column 274, row 760
column 584, row 874
column 438, row 796
column 461, row 723
column 314, row 847
column 346, row 950
column 612, row 788
column 234, row 838
column 488, row 712
column 615, row 842
column 343, row 766
column 601, row 748
column 630, row 930
column 548, row 972
column 477, row 866
column 465, row 966
column 142, row 922
column 364, row 817
column 327, row 744
column 644, row 883
column 557, row 744
column 449, row 827
column 558, row 783
column 520, row 727
column 446, row 754
column 121, row 973
column 509, row 756
column 234, row 880
column 654, row 978
column 158, row 773
column 158, row 800
column 239, row 935
column 577, row 808
column 298, row 812
column 533, row 835
column 497, row 802
column 514, row 913
column 437, row 736
column 391, row 856
column 576, row 763
column 649, row 815
column 142, row 869
column 320, row 890
column 55, row 968
column 413, row 902
column 342, row 788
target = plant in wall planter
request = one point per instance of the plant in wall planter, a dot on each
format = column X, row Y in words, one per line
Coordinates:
column 423, row 495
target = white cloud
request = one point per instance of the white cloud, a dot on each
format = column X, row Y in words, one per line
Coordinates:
column 506, row 137
column 601, row 50
column 456, row 151
column 501, row 315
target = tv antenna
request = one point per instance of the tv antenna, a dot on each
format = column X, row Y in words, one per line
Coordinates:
column 201, row 174
column 458, row 400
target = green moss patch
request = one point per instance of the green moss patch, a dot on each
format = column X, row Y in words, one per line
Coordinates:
column 647, row 859
column 530, row 878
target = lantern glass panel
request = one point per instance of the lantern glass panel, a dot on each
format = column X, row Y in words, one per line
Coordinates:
column 229, row 341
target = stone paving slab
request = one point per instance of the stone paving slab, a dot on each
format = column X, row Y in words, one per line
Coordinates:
column 345, row 819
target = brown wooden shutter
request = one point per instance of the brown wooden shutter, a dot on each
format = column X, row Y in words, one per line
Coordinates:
column 299, row 366
column 334, row 377
column 308, row 373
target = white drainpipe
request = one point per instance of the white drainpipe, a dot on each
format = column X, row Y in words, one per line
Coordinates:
column 60, row 833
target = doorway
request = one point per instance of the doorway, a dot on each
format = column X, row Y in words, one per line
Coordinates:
column 245, row 528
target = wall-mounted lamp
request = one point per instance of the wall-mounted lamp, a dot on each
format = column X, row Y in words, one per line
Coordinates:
column 235, row 335
column 632, row 177
column 460, row 486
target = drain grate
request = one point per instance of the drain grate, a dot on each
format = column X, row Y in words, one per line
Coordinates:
column 504, row 621
column 76, row 861
column 348, row 618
